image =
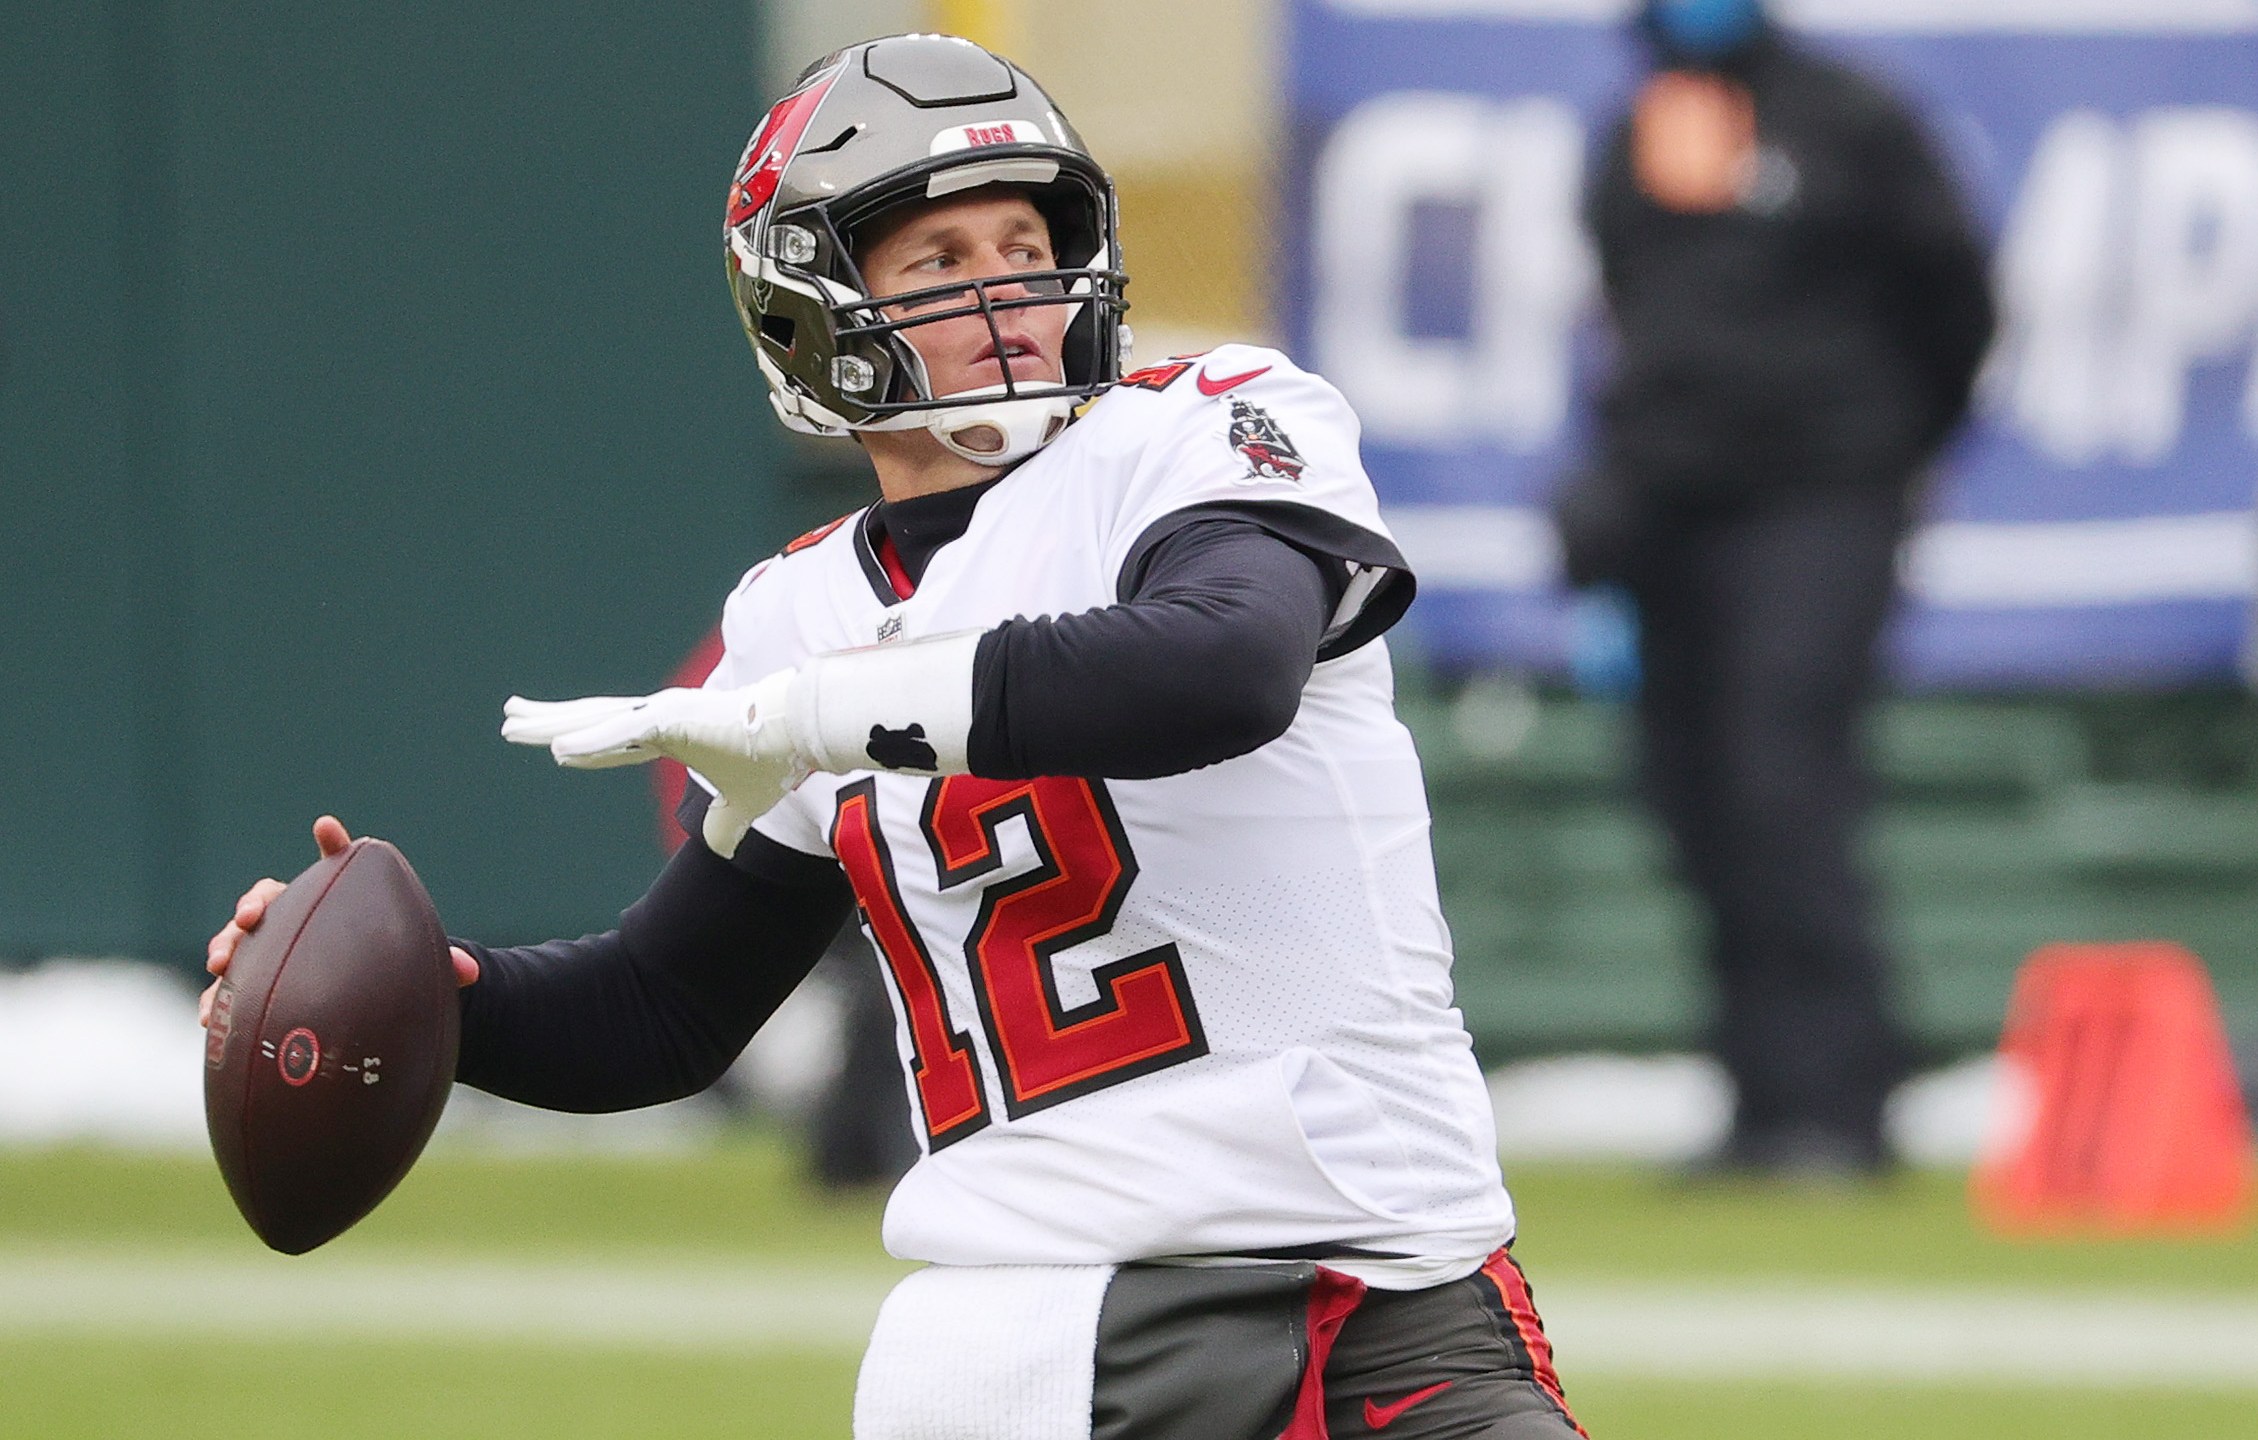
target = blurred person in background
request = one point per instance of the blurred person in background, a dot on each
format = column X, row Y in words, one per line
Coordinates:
column 1799, row 306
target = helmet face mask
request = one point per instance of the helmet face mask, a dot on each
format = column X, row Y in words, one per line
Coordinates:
column 911, row 120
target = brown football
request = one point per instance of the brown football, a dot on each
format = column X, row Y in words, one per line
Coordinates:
column 332, row 1045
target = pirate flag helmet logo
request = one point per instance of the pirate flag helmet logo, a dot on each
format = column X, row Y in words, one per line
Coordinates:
column 1269, row 454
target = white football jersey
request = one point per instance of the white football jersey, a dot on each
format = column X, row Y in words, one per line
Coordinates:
column 1208, row 1014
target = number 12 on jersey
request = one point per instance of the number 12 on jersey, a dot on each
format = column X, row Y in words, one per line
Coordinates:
column 1045, row 1051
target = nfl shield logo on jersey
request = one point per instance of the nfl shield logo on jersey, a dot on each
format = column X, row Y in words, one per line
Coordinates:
column 1269, row 454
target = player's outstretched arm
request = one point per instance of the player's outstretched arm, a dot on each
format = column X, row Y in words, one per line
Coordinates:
column 330, row 837
column 1204, row 660
column 898, row 707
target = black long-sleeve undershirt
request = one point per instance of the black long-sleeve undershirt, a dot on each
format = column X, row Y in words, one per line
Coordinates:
column 1205, row 662
column 658, row 1008
column 1205, row 659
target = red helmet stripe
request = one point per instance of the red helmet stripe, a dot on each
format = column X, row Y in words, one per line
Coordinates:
column 772, row 147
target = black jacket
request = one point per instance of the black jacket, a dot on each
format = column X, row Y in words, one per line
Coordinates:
column 1827, row 330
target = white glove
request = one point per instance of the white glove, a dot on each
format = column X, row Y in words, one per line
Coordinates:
column 740, row 740
column 904, row 708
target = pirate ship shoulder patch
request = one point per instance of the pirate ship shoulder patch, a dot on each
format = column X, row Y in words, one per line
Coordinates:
column 1269, row 454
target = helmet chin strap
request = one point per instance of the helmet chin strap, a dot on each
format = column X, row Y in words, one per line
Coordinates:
column 1003, row 432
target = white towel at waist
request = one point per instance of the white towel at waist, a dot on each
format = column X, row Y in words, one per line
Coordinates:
column 984, row 1352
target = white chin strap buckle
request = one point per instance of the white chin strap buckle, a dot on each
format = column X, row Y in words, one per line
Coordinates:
column 1003, row 432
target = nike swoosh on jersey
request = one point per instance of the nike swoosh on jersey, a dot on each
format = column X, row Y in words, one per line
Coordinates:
column 1380, row 1417
column 1217, row 387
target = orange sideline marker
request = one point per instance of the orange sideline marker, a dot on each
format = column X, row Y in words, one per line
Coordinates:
column 2136, row 1122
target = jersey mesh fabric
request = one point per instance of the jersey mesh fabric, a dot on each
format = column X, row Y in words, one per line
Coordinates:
column 1332, row 1103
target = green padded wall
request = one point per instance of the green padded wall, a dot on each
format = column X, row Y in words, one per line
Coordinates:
column 72, row 831
column 362, row 365
column 2002, row 825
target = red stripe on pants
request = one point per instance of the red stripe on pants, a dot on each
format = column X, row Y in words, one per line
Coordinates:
column 1521, row 1309
column 1332, row 1298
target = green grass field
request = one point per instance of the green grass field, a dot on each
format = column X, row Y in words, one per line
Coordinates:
column 740, row 1205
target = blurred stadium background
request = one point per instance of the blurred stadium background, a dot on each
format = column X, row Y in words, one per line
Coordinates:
column 359, row 366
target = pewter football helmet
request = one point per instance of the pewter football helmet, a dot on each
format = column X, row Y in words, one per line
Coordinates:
column 881, row 124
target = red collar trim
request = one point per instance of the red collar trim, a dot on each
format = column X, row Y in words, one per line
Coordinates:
column 891, row 561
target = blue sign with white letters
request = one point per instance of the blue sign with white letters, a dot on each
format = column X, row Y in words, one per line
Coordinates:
column 2093, row 527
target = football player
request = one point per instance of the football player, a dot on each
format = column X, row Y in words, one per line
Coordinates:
column 1089, row 719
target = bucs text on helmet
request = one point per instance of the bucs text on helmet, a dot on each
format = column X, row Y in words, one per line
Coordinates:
column 879, row 125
